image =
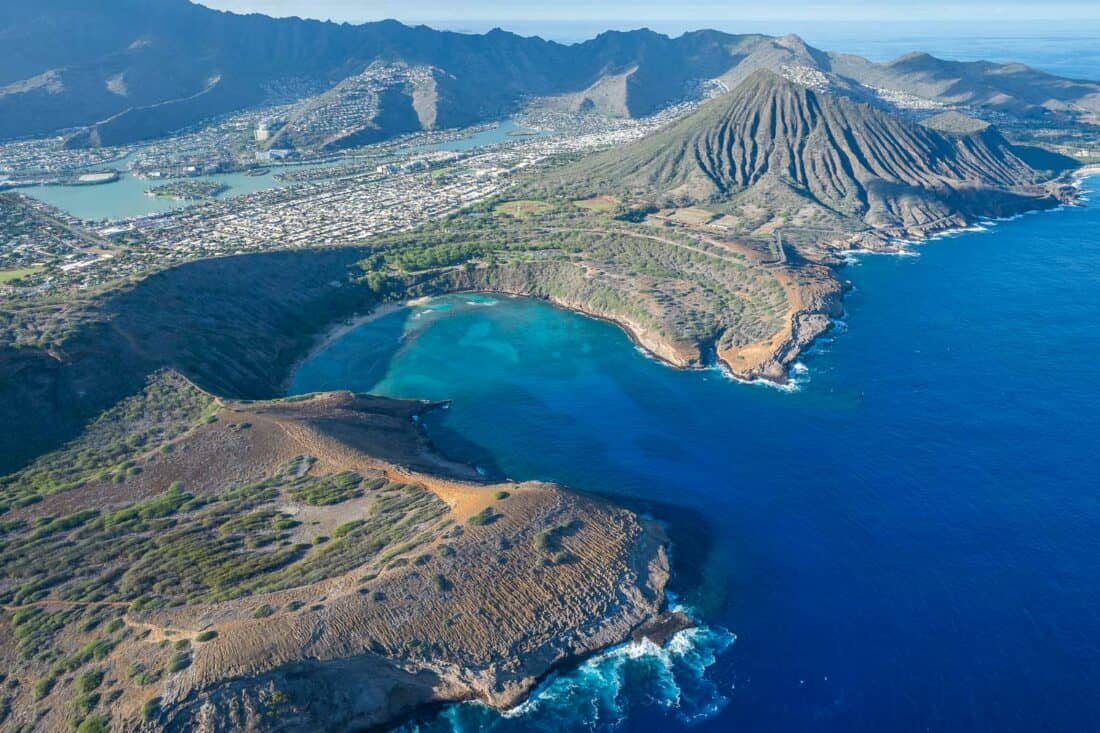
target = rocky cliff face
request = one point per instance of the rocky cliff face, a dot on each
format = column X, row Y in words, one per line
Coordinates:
column 811, row 298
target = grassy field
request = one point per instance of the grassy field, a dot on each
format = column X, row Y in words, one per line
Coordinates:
column 598, row 204
column 6, row 276
column 691, row 215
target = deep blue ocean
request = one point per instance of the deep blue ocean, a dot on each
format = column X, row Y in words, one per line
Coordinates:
column 907, row 541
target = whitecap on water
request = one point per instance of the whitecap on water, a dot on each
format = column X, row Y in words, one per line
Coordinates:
column 600, row 693
column 438, row 306
column 852, row 257
column 957, row 232
column 793, row 384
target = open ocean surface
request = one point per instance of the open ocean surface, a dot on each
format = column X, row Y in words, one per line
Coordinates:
column 908, row 541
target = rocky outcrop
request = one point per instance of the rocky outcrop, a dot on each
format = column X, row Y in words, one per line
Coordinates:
column 814, row 298
column 504, row 620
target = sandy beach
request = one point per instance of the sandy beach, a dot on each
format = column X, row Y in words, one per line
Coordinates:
column 339, row 329
column 1085, row 171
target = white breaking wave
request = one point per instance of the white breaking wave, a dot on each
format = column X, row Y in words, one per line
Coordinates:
column 853, row 256
column 793, row 383
column 600, row 693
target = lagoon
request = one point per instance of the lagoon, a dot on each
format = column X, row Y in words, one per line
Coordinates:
column 126, row 199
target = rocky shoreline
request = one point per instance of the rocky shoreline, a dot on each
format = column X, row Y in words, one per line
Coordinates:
column 807, row 322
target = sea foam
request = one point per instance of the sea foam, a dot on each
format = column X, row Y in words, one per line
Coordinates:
column 793, row 384
column 599, row 694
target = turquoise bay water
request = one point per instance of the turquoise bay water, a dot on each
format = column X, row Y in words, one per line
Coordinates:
column 910, row 541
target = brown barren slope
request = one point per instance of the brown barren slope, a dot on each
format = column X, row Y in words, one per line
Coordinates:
column 478, row 594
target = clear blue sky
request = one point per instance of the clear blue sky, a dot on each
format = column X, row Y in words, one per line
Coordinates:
column 629, row 13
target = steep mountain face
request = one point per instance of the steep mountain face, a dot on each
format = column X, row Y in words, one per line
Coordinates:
column 386, row 99
column 142, row 65
column 792, row 148
column 637, row 73
column 141, row 68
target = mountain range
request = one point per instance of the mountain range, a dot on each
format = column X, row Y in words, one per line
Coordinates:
column 126, row 70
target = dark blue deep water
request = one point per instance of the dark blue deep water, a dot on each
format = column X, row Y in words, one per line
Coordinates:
column 909, row 541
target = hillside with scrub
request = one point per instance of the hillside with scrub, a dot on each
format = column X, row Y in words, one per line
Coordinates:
column 255, row 558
